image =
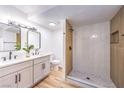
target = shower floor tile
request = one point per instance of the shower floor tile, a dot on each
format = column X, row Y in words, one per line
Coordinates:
column 93, row 79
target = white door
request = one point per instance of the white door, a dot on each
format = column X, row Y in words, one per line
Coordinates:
column 38, row 72
column 25, row 78
column 9, row 81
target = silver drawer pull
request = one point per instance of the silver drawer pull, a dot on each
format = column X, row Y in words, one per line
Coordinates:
column 16, row 79
column 19, row 77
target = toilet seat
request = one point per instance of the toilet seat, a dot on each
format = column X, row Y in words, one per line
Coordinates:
column 55, row 62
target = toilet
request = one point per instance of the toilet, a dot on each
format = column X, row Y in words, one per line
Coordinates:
column 54, row 63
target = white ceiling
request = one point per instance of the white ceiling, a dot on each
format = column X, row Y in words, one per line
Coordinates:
column 78, row 14
column 32, row 10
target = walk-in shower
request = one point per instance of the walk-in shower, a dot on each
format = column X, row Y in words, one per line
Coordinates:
column 91, row 55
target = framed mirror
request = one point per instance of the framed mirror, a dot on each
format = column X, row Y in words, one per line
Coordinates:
column 10, row 37
column 34, row 38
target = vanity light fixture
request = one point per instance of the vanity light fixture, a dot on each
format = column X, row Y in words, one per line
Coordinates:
column 20, row 25
column 52, row 24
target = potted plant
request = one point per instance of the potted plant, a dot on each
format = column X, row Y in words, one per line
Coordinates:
column 18, row 46
column 28, row 49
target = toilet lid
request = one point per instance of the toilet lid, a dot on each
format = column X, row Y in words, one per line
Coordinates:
column 55, row 61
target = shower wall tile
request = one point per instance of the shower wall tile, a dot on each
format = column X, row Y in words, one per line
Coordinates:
column 91, row 52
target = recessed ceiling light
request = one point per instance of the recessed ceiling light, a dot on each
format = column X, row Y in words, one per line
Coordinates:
column 94, row 36
column 52, row 24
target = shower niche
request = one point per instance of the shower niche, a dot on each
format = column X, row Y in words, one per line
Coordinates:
column 115, row 37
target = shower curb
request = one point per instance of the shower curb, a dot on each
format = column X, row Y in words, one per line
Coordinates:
column 91, row 85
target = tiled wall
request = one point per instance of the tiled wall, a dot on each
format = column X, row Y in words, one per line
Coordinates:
column 91, row 52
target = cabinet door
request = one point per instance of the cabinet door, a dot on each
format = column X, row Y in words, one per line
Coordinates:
column 41, row 70
column 9, row 81
column 38, row 72
column 25, row 78
column 46, row 68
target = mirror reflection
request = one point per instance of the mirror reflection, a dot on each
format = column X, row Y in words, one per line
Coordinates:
column 10, row 37
column 34, row 38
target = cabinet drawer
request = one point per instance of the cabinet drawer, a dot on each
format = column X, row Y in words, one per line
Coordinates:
column 16, row 67
column 42, row 59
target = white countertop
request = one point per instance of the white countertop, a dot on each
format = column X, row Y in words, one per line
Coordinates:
column 16, row 61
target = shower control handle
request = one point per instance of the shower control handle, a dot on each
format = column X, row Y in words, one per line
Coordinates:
column 70, row 48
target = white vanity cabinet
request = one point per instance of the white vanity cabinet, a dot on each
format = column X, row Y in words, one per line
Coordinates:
column 21, row 79
column 41, row 68
column 17, row 75
column 25, row 74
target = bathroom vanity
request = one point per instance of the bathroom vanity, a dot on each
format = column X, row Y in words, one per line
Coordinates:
column 17, row 71
column 26, row 72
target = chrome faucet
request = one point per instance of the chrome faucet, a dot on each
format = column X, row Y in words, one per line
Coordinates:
column 4, row 58
column 36, row 52
column 10, row 55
